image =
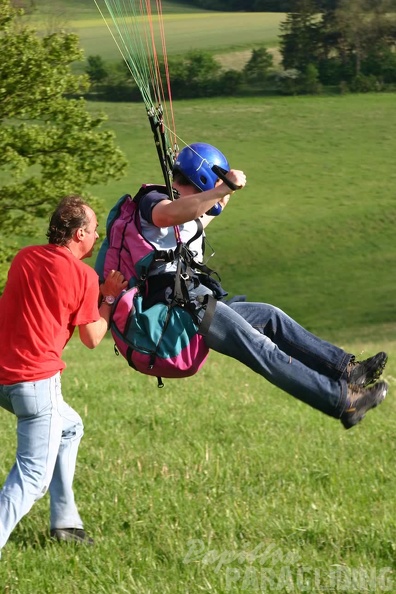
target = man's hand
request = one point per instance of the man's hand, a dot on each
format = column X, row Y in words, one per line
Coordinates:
column 114, row 284
column 91, row 334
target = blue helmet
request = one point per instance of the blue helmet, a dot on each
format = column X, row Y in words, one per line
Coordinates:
column 195, row 162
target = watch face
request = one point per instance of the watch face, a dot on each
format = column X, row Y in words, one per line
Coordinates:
column 110, row 299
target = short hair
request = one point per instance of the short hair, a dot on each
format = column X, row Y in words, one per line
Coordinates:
column 69, row 215
column 181, row 179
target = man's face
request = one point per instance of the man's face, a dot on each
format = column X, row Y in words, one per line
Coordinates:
column 89, row 233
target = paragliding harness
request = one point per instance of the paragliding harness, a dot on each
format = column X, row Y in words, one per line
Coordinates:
column 155, row 324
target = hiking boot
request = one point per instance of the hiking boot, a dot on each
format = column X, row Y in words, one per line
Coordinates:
column 361, row 400
column 363, row 373
column 71, row 535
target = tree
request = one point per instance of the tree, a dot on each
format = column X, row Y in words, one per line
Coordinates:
column 244, row 5
column 96, row 69
column 195, row 75
column 27, row 5
column 50, row 145
column 365, row 27
column 257, row 68
column 300, row 35
column 343, row 40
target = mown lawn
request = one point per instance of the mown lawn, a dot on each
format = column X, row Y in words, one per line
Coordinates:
column 221, row 483
column 223, row 33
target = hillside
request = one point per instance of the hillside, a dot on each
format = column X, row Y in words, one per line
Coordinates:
column 88, row 6
column 229, row 34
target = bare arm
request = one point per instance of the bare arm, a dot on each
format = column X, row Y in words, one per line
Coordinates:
column 168, row 213
column 91, row 334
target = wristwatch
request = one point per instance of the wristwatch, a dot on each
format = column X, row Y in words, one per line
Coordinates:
column 109, row 299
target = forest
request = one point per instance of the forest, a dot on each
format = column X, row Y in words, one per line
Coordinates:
column 262, row 5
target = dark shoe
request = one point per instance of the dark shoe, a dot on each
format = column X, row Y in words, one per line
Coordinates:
column 71, row 535
column 361, row 400
column 363, row 373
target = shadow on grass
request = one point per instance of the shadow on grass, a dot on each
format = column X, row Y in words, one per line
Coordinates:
column 26, row 538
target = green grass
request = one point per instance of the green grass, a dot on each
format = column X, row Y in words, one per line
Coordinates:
column 199, row 30
column 313, row 231
column 178, row 484
column 224, row 464
column 224, row 33
column 209, row 483
column 88, row 7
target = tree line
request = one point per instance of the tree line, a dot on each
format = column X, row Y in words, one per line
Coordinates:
column 257, row 5
column 196, row 74
column 350, row 47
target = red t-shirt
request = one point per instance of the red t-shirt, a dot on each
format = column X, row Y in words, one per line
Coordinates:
column 48, row 292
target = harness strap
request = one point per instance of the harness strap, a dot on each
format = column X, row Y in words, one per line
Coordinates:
column 180, row 291
column 198, row 233
column 208, row 316
column 164, row 255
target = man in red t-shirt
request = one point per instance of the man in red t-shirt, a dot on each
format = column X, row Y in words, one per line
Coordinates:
column 49, row 292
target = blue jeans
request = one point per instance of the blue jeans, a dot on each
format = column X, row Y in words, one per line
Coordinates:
column 272, row 344
column 48, row 435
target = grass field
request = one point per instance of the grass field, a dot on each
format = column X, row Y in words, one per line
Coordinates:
column 221, row 483
column 87, row 8
column 221, row 33
column 213, row 484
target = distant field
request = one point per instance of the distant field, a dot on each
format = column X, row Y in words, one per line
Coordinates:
column 212, row 31
column 88, row 7
column 184, row 32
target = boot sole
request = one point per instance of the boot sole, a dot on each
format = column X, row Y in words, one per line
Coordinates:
column 371, row 401
column 369, row 379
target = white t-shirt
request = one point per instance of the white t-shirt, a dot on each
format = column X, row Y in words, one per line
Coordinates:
column 163, row 238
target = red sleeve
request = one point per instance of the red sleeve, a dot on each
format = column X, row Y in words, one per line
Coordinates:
column 88, row 310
